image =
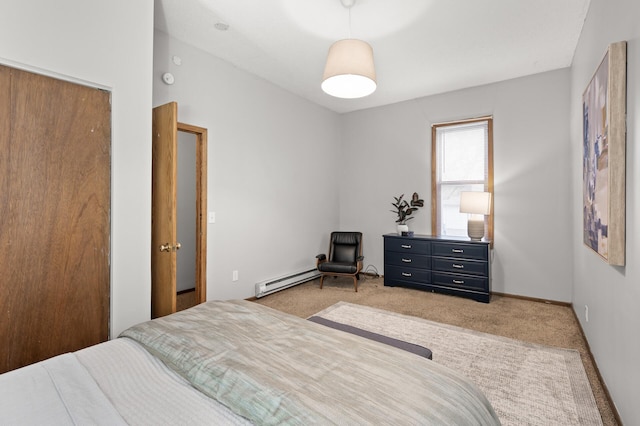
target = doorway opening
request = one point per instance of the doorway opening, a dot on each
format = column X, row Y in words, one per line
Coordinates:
column 187, row 219
column 191, row 212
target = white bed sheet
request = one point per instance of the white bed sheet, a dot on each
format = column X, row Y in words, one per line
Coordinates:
column 113, row 383
column 145, row 392
column 58, row 391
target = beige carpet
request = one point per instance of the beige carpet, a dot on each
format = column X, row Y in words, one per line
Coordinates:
column 527, row 384
column 185, row 299
column 534, row 322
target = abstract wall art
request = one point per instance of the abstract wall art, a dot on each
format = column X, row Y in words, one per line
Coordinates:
column 603, row 159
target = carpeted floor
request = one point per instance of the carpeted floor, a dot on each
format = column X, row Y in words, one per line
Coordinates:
column 185, row 299
column 535, row 322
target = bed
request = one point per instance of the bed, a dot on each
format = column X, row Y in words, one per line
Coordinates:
column 238, row 362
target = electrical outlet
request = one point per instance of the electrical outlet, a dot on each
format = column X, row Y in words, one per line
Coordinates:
column 586, row 313
column 212, row 217
column 235, row 276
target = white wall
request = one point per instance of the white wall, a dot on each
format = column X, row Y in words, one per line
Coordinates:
column 387, row 152
column 271, row 167
column 612, row 293
column 106, row 44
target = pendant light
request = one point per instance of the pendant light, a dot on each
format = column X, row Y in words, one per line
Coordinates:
column 349, row 72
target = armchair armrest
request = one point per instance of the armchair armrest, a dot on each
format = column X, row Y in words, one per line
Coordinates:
column 360, row 258
column 321, row 257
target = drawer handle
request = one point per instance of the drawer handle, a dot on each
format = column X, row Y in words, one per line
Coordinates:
column 406, row 260
column 457, row 251
column 406, row 246
column 458, row 281
column 406, row 274
column 455, row 265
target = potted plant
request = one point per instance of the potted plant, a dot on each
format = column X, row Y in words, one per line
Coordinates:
column 404, row 209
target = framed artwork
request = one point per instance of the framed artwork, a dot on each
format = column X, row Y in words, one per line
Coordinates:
column 603, row 158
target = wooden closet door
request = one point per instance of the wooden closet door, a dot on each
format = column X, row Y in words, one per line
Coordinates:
column 55, row 164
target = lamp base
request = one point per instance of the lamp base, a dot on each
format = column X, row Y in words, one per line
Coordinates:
column 475, row 229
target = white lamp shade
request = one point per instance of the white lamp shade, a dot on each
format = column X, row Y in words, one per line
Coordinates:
column 349, row 72
column 475, row 202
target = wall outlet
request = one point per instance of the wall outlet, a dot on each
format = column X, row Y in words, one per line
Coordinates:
column 212, row 217
column 586, row 313
column 235, row 276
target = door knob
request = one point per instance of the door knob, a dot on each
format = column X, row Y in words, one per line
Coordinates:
column 169, row 247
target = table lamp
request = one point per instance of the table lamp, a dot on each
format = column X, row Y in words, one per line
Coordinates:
column 478, row 205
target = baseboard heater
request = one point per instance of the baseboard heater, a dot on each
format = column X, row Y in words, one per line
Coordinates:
column 271, row 286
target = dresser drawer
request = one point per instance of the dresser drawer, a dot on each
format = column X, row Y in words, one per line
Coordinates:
column 407, row 245
column 460, row 281
column 463, row 251
column 408, row 260
column 397, row 273
column 459, row 266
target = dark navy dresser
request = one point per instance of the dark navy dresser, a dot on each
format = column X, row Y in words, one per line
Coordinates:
column 442, row 264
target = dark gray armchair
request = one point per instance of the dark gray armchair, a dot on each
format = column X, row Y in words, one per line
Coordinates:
column 345, row 257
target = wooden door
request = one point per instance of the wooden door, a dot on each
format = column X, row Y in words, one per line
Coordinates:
column 55, row 163
column 164, row 220
column 163, row 214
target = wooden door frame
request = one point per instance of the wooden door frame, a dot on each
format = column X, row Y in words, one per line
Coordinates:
column 201, row 207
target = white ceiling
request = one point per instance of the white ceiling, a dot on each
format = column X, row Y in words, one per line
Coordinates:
column 421, row 47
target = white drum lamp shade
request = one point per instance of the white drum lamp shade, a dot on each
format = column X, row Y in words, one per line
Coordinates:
column 349, row 72
column 478, row 205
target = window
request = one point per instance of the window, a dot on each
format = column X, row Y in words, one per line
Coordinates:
column 461, row 160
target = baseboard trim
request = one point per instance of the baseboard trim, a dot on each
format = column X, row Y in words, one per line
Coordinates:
column 533, row 299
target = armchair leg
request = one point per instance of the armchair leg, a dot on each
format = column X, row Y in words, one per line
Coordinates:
column 321, row 281
column 355, row 283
